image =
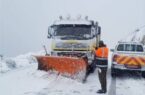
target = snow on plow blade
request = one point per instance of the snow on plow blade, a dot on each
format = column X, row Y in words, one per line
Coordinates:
column 67, row 66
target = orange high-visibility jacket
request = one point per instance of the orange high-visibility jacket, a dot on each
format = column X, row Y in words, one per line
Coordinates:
column 102, row 52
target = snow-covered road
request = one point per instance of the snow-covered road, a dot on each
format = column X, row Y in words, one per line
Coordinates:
column 130, row 84
column 21, row 81
column 30, row 81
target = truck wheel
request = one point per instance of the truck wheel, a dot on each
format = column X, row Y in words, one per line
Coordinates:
column 143, row 74
column 113, row 72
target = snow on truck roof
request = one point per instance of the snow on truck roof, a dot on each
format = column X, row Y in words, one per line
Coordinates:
column 79, row 22
column 129, row 42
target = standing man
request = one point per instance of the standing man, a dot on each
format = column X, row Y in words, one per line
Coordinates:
column 102, row 62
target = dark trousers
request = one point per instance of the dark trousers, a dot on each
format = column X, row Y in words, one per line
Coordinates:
column 102, row 78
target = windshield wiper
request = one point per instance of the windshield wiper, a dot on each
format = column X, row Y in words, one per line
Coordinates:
column 73, row 37
column 68, row 37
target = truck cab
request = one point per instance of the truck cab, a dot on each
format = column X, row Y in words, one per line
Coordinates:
column 74, row 37
column 128, row 56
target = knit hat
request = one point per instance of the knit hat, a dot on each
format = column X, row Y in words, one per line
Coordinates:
column 101, row 43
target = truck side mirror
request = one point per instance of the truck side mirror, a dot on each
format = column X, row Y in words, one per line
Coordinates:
column 112, row 50
column 49, row 33
column 99, row 30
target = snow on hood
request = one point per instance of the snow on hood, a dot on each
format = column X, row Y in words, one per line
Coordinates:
column 136, row 36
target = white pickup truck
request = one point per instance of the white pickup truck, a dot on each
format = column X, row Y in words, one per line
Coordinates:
column 128, row 56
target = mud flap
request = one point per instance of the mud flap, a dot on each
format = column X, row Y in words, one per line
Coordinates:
column 67, row 66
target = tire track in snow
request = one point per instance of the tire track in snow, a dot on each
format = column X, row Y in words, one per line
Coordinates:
column 127, row 83
column 112, row 87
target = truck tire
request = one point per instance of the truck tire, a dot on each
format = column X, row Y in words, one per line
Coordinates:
column 143, row 74
column 114, row 72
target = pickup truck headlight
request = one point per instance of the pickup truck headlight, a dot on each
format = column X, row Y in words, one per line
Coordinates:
column 114, row 59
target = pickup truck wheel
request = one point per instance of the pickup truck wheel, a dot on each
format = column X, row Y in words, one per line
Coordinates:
column 143, row 74
column 114, row 72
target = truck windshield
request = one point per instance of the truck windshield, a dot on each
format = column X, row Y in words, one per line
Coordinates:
column 79, row 32
column 130, row 47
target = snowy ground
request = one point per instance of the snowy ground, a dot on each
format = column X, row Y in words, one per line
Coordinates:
column 25, row 79
column 129, row 84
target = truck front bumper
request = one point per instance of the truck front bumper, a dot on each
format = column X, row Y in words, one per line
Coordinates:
column 89, row 54
column 123, row 67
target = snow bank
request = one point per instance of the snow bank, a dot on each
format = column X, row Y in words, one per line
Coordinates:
column 7, row 65
column 3, row 67
column 24, row 60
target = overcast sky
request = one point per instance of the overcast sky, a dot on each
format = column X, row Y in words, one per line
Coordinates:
column 24, row 23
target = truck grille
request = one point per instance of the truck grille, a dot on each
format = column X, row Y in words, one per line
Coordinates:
column 75, row 54
column 71, row 46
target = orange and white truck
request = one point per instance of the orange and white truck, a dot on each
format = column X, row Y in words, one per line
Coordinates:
column 128, row 56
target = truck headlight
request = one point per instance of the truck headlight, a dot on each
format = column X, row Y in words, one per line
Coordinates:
column 54, row 53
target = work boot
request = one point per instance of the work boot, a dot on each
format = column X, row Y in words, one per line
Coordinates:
column 101, row 91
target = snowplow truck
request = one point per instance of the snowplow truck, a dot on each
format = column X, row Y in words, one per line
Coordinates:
column 71, row 47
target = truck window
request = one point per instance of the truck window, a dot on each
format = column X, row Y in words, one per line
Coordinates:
column 120, row 47
column 139, row 48
column 73, row 31
column 130, row 47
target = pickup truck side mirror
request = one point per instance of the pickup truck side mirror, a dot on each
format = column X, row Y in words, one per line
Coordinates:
column 112, row 50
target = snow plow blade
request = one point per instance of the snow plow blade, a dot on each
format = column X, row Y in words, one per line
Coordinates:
column 68, row 66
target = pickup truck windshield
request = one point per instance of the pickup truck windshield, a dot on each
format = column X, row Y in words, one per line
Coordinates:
column 130, row 47
column 79, row 32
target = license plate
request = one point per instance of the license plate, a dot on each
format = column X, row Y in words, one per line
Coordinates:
column 132, row 66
